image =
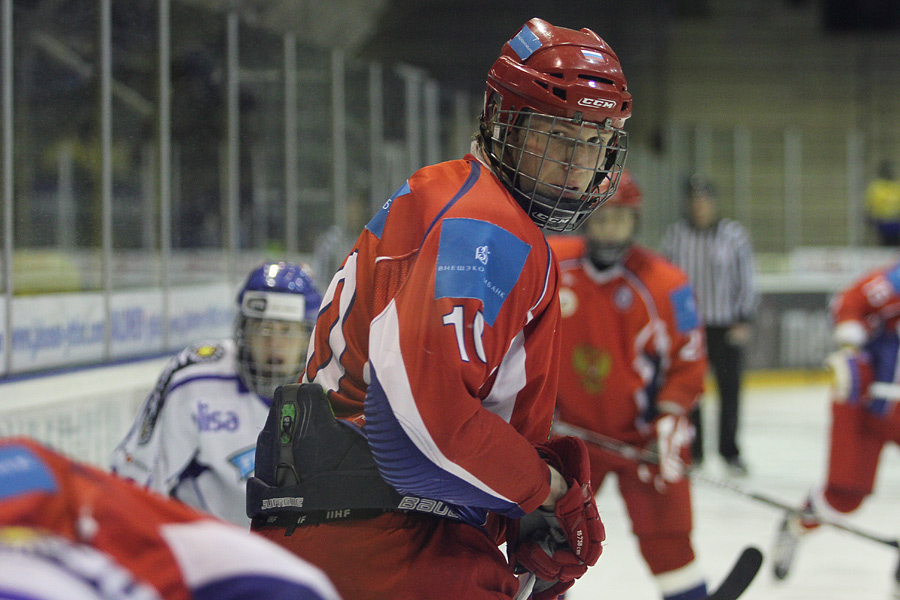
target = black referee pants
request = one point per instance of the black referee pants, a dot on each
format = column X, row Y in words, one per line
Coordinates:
column 726, row 360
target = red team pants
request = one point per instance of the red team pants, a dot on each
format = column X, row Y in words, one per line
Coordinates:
column 857, row 438
column 397, row 557
column 661, row 521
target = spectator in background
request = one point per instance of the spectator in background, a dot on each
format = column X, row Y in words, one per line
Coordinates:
column 195, row 436
column 883, row 205
column 717, row 255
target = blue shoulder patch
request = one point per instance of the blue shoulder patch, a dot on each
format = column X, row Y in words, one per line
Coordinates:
column 525, row 43
column 686, row 317
column 376, row 225
column 894, row 277
column 477, row 259
column 22, row 471
column 244, row 461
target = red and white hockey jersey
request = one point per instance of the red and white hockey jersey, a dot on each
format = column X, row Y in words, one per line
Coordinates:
column 868, row 308
column 631, row 338
column 441, row 327
column 175, row 550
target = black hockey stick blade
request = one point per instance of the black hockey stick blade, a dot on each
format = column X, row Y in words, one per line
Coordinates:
column 741, row 576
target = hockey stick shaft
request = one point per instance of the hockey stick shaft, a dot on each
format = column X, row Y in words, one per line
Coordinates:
column 740, row 577
column 647, row 456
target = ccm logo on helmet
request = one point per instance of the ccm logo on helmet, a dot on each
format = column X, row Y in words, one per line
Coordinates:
column 596, row 102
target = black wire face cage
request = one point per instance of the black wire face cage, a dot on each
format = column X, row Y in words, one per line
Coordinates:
column 263, row 374
column 559, row 170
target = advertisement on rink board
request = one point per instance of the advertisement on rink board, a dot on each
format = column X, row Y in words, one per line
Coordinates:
column 792, row 330
column 60, row 330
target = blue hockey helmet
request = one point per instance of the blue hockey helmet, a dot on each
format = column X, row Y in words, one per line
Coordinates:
column 277, row 308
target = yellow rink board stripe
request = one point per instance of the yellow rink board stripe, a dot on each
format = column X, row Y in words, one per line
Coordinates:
column 779, row 378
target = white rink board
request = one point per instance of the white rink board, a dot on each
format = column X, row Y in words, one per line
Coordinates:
column 784, row 439
column 85, row 414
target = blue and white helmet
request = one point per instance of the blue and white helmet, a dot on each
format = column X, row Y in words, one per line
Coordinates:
column 277, row 308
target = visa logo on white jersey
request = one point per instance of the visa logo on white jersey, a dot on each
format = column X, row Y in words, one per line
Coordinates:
column 215, row 420
column 596, row 103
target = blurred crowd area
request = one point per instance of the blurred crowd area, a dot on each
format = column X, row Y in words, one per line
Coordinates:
column 157, row 144
column 277, row 146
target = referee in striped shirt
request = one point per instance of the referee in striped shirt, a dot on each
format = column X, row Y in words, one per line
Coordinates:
column 717, row 255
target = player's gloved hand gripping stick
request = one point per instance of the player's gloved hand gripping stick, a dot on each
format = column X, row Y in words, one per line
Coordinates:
column 559, row 545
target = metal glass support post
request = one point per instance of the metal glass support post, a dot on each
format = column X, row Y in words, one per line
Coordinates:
column 291, row 147
column 855, row 187
column 793, row 189
column 377, row 192
column 165, row 165
column 106, row 167
column 7, row 26
column 233, row 165
column 339, row 140
column 743, row 167
column 412, row 79
column 432, row 123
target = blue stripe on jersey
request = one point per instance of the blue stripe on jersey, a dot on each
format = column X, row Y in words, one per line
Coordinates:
column 474, row 174
column 525, row 43
column 376, row 225
column 686, row 317
column 894, row 277
column 6, row 594
column 477, row 259
column 210, row 377
column 409, row 471
column 252, row 587
column 22, row 472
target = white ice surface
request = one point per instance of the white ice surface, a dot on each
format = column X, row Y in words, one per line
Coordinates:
column 784, row 433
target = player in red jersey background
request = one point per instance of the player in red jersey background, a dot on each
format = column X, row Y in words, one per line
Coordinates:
column 864, row 395
column 109, row 535
column 632, row 366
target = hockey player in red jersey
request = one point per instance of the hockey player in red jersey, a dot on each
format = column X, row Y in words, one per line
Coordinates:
column 106, row 534
column 438, row 339
column 864, row 414
column 632, row 366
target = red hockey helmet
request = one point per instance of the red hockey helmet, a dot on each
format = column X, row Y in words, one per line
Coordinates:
column 628, row 193
column 568, row 87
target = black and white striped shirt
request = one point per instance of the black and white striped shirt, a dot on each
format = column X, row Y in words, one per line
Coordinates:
column 719, row 262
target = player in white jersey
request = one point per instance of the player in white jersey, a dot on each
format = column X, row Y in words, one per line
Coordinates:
column 195, row 436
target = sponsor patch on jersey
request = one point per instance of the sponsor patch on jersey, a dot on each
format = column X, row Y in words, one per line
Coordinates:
column 480, row 260
column 568, row 302
column 22, row 472
column 376, row 225
column 686, row 317
column 244, row 461
column 525, row 43
column 205, row 353
column 623, row 298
